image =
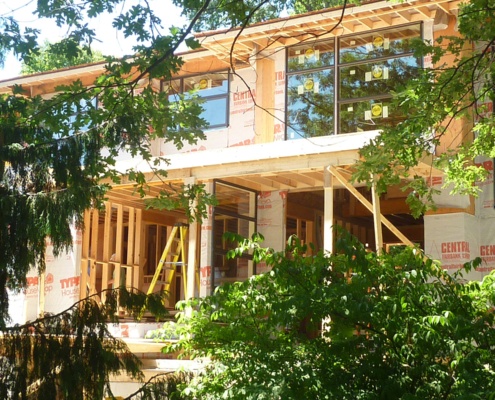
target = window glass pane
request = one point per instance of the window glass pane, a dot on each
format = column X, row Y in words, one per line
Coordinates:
column 213, row 88
column 235, row 200
column 368, row 116
column 215, row 111
column 208, row 85
column 377, row 44
column 310, row 104
column 375, row 78
column 311, row 56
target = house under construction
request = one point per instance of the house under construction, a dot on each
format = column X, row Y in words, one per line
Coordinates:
column 289, row 103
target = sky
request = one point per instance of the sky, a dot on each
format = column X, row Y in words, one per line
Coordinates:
column 111, row 41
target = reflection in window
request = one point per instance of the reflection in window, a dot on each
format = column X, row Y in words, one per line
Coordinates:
column 212, row 88
column 310, row 104
column 378, row 44
column 368, row 115
column 375, row 78
column 370, row 67
column 235, row 213
column 310, row 56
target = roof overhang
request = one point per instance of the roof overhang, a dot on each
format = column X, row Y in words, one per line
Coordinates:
column 242, row 43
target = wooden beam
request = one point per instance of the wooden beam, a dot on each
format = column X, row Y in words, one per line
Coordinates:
column 265, row 181
column 368, row 205
column 284, row 181
column 302, row 179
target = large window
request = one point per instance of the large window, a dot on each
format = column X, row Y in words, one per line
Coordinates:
column 235, row 213
column 345, row 84
column 212, row 88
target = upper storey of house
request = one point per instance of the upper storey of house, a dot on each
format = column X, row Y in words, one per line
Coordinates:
column 318, row 76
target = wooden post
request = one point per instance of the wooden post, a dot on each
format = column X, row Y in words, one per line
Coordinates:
column 192, row 248
column 377, row 220
column 328, row 212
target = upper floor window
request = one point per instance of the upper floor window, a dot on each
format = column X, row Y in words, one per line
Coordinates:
column 212, row 88
column 349, row 89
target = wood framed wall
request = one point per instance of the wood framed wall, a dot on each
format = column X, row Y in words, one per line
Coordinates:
column 112, row 249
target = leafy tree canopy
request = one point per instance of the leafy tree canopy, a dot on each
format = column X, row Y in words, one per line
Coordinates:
column 394, row 327
column 53, row 56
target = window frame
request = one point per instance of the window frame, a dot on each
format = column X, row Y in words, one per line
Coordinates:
column 207, row 98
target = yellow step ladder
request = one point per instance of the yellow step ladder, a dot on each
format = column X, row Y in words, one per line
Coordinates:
column 176, row 246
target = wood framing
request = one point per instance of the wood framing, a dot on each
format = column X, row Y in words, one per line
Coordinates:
column 334, row 171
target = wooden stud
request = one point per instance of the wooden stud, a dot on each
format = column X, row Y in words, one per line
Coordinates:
column 93, row 251
column 85, row 254
column 139, row 258
column 105, row 272
column 106, row 234
column 118, row 250
column 130, row 236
